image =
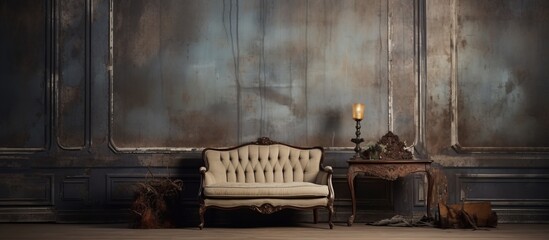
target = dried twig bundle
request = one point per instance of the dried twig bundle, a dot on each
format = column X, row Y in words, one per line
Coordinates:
column 150, row 206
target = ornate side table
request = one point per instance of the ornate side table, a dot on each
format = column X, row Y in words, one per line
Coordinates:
column 388, row 170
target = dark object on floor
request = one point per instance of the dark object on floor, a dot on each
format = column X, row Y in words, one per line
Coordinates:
column 400, row 221
column 154, row 203
column 467, row 215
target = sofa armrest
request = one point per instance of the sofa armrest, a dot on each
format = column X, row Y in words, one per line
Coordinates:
column 202, row 171
column 324, row 175
column 206, row 177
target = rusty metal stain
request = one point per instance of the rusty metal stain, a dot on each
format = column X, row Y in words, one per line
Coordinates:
column 438, row 92
column 401, row 72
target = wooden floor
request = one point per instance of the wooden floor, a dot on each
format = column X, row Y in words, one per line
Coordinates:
column 306, row 231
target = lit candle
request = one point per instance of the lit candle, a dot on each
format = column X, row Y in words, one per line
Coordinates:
column 358, row 111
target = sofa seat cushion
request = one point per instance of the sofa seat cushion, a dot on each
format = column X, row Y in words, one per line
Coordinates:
column 239, row 202
column 266, row 190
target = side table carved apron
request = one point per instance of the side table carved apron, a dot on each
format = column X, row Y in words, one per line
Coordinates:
column 388, row 170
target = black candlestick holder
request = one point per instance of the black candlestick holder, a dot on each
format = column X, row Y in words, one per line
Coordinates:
column 357, row 140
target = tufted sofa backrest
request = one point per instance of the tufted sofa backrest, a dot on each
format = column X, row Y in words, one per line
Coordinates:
column 276, row 163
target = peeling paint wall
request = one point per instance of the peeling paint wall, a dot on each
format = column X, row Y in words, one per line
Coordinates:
column 487, row 80
column 439, row 75
column 96, row 93
column 220, row 73
column 486, row 117
column 502, row 81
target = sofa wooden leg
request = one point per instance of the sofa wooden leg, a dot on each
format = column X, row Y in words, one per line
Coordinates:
column 201, row 212
column 315, row 215
column 330, row 214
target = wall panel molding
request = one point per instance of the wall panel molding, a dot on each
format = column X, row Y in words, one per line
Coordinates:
column 504, row 190
column 406, row 58
column 27, row 214
column 419, row 190
column 26, row 69
column 394, row 113
column 75, row 188
column 27, row 189
column 72, row 81
column 504, row 90
column 516, row 198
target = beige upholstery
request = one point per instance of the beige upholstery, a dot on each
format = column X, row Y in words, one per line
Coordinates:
column 262, row 164
column 265, row 177
column 300, row 203
column 266, row 190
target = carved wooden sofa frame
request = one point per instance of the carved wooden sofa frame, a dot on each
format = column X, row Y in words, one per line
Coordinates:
column 266, row 176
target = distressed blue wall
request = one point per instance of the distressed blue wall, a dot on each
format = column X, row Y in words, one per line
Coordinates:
column 96, row 93
column 239, row 69
column 501, row 64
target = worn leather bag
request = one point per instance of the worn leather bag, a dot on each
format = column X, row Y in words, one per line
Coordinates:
column 467, row 215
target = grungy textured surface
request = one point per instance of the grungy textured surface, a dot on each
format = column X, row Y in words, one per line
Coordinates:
column 24, row 80
column 439, row 75
column 502, row 78
column 203, row 73
column 487, row 87
column 282, row 230
column 402, row 73
column 71, row 97
column 186, row 74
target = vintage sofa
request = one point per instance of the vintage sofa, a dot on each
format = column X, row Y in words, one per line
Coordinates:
column 265, row 176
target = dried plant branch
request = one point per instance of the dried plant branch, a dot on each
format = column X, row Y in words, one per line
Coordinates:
column 150, row 204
